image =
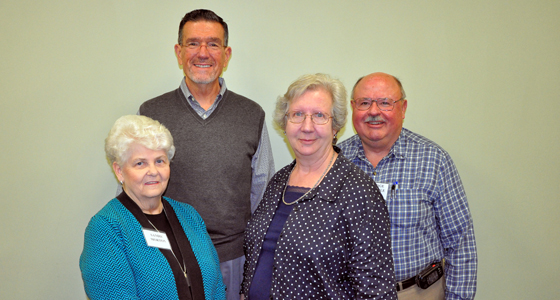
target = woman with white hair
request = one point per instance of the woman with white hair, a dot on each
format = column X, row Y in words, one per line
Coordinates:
column 322, row 228
column 142, row 245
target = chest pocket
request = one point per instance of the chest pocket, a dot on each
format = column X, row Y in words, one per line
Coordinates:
column 409, row 208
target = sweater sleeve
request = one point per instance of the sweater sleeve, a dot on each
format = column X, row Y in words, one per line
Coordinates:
column 105, row 269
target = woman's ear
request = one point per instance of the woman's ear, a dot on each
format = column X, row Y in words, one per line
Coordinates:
column 118, row 172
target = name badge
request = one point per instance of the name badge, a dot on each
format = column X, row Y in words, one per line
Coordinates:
column 156, row 239
column 384, row 189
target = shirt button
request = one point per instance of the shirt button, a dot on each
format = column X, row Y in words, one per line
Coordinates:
column 295, row 208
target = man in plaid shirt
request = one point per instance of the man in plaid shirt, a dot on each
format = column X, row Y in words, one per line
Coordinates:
column 430, row 218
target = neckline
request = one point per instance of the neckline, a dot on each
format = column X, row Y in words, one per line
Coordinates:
column 312, row 188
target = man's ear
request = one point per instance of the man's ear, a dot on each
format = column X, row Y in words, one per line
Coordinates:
column 228, row 56
column 178, row 50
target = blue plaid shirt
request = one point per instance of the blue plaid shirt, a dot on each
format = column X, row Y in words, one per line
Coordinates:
column 430, row 217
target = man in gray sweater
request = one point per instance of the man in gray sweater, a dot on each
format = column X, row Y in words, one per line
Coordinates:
column 224, row 159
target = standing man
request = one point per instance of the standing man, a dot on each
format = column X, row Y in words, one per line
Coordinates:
column 430, row 219
column 224, row 159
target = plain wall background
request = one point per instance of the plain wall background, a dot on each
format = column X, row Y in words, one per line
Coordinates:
column 482, row 79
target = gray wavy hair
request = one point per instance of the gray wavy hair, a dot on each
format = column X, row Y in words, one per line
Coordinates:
column 313, row 82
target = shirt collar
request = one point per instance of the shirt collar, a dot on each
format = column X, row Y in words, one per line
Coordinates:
column 355, row 149
column 397, row 150
column 189, row 96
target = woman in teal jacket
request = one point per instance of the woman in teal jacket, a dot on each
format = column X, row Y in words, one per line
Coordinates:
column 142, row 245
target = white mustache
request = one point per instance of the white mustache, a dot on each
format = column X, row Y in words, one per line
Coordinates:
column 374, row 119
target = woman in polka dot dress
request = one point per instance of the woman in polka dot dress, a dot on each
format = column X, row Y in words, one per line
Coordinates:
column 322, row 229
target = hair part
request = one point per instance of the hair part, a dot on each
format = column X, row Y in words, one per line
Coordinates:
column 314, row 82
column 203, row 15
column 135, row 129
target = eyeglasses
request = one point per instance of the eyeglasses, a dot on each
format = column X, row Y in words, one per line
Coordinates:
column 318, row 118
column 384, row 104
column 211, row 46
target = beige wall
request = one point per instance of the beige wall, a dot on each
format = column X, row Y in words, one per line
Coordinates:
column 482, row 78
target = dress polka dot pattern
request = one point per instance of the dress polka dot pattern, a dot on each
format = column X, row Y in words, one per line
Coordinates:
column 335, row 244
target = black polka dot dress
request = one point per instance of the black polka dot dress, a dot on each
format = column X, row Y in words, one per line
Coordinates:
column 335, row 243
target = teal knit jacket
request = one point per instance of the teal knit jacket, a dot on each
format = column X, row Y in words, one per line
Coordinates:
column 116, row 262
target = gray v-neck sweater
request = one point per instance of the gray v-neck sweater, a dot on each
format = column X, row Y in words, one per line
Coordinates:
column 211, row 169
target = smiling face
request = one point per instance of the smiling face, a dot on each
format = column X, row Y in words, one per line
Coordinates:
column 202, row 65
column 307, row 139
column 378, row 129
column 145, row 174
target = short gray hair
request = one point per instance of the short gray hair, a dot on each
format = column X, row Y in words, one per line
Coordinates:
column 313, row 82
column 135, row 129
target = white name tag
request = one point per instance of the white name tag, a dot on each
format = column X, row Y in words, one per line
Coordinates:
column 384, row 189
column 156, row 239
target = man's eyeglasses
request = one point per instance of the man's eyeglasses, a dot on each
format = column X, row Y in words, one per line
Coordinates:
column 384, row 104
column 211, row 46
column 318, row 118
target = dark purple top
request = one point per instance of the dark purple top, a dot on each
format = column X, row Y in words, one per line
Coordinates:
column 260, row 287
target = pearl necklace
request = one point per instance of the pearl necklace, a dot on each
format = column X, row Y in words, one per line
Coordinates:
column 316, row 183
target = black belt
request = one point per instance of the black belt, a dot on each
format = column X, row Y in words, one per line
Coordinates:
column 406, row 283
column 412, row 281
